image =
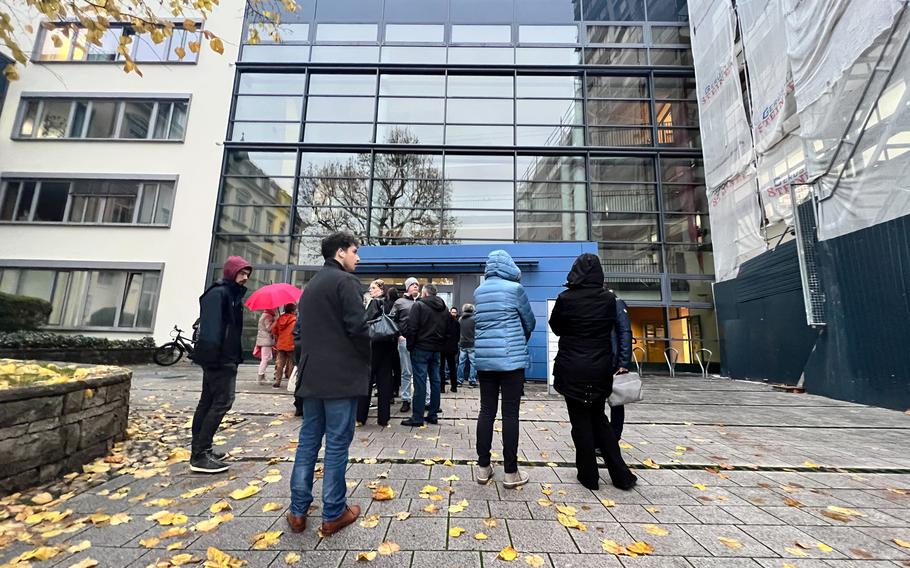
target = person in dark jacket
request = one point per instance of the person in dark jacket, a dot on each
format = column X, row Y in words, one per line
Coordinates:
column 583, row 318
column 333, row 371
column 218, row 351
column 298, row 402
column 504, row 323
column 621, row 341
column 383, row 353
column 392, row 296
column 427, row 326
column 402, row 310
column 466, row 346
column 449, row 355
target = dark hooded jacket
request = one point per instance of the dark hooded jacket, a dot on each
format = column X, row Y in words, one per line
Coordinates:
column 583, row 318
column 221, row 319
column 428, row 325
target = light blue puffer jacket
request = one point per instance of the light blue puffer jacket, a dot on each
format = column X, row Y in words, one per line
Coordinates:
column 504, row 320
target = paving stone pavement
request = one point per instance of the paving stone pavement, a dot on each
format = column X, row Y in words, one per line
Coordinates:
column 747, row 478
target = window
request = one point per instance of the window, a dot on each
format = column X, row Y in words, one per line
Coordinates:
column 481, row 34
column 401, row 33
column 613, row 11
column 115, row 202
column 130, row 119
column 69, row 42
column 548, row 34
column 89, row 299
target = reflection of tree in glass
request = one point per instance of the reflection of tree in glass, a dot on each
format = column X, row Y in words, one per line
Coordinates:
column 407, row 200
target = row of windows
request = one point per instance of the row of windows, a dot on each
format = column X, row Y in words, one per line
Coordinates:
column 457, row 109
column 473, row 56
column 456, row 166
column 89, row 299
column 87, row 201
column 69, row 42
column 486, row 11
column 409, row 224
column 101, row 118
column 438, row 34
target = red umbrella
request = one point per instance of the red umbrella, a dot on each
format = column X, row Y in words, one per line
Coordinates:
column 273, row 296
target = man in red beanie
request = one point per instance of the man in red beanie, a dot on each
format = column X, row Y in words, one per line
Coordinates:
column 218, row 351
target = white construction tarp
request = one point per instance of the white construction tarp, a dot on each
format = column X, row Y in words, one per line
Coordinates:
column 735, row 222
column 778, row 169
column 725, row 133
column 769, row 74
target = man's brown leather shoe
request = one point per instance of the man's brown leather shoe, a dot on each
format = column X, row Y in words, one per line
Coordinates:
column 349, row 516
column 297, row 524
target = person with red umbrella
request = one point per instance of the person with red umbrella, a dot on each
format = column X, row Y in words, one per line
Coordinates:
column 283, row 330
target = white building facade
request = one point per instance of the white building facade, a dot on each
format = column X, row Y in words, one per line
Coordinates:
column 108, row 180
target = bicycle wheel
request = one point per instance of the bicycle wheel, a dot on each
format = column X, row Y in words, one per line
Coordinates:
column 168, row 354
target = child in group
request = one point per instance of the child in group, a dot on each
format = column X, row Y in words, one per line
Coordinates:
column 265, row 341
column 283, row 330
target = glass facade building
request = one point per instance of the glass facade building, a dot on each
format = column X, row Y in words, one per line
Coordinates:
column 423, row 122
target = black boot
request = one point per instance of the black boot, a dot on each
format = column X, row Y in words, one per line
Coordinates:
column 205, row 463
column 405, row 406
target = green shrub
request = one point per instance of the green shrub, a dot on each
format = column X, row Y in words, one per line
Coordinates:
column 48, row 340
column 22, row 312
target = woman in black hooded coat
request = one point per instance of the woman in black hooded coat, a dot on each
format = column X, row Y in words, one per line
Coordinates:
column 583, row 318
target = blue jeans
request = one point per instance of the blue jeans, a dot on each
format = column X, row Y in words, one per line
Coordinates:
column 334, row 419
column 467, row 354
column 406, row 372
column 426, row 366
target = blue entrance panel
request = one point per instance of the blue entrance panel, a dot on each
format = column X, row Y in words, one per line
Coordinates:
column 543, row 266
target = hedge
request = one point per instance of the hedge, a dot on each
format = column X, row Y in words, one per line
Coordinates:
column 22, row 312
column 48, row 340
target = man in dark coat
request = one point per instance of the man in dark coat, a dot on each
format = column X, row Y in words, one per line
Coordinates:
column 333, row 371
column 426, row 333
column 583, row 318
column 218, row 351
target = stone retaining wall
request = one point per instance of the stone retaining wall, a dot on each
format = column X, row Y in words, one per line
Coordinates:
column 47, row 430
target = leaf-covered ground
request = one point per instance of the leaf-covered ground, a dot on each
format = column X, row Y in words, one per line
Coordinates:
column 730, row 474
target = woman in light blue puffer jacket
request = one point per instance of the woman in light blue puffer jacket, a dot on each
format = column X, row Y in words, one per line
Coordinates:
column 504, row 322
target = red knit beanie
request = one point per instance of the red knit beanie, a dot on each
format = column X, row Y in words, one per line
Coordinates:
column 233, row 265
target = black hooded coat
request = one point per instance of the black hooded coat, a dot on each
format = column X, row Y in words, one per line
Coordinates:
column 583, row 318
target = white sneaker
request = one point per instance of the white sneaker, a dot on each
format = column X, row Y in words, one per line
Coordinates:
column 513, row 480
column 483, row 474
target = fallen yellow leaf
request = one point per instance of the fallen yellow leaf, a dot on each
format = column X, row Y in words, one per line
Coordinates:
column 650, row 463
column 42, row 498
column 383, row 493
column 480, row 536
column 244, row 493
column 656, row 530
column 291, row 558
column 403, row 515
column 263, row 540
column 567, row 510
column 613, row 547
column 220, row 506
column 534, row 561
column 181, row 559
column 176, row 546
column 450, row 478
column 730, row 542
column 456, row 532
column 811, row 464
column 366, row 556
column 429, row 489
column 370, row 521
column 824, row 547
column 120, row 519
column 699, row 486
column 269, row 507
column 626, row 445
column 796, row 551
column 608, row 502
column 544, row 502
column 508, row 554
column 218, row 559
column 173, row 531
column 640, row 547
column 388, row 548
column 431, row 508
column 83, row 545
column 213, row 523
column 900, row 542
column 149, row 542
column 490, row 523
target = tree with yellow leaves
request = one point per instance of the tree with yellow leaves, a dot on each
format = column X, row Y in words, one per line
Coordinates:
column 157, row 19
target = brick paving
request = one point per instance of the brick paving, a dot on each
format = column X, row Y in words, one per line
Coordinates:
column 747, row 477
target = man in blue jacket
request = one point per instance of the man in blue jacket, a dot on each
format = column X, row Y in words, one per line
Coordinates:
column 503, row 325
column 622, row 356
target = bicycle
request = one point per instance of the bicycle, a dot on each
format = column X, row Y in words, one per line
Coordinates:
column 173, row 351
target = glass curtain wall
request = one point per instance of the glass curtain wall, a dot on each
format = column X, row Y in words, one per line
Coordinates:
column 479, row 121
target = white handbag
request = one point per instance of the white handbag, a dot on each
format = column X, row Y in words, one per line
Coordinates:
column 292, row 382
column 626, row 389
